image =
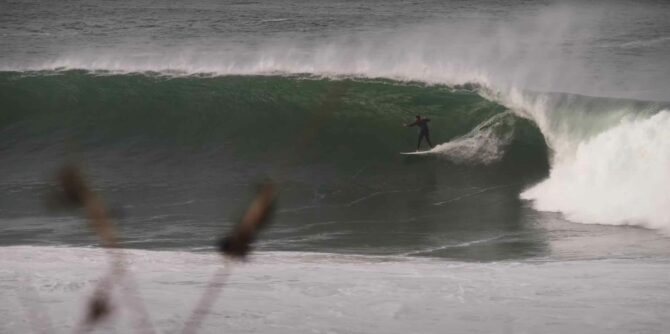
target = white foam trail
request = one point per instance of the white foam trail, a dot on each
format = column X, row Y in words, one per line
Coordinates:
column 485, row 144
column 458, row 245
column 645, row 43
column 620, row 176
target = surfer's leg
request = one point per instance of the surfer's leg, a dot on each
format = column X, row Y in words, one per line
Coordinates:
column 428, row 140
column 418, row 145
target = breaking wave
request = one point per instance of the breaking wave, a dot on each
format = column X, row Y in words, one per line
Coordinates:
column 608, row 157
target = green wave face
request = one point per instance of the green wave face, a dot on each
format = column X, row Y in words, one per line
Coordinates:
column 177, row 156
column 316, row 119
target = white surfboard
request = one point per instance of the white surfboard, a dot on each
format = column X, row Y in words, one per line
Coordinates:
column 415, row 153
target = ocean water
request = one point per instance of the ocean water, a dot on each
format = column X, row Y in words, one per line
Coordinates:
column 546, row 191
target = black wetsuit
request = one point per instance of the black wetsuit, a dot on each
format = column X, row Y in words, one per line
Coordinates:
column 423, row 124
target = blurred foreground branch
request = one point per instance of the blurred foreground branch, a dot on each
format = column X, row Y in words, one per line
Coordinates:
column 77, row 193
column 235, row 246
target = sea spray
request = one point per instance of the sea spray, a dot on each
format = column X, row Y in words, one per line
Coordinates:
column 485, row 144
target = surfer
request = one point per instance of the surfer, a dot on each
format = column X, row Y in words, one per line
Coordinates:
column 423, row 125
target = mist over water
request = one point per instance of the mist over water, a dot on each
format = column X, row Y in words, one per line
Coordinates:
column 595, row 49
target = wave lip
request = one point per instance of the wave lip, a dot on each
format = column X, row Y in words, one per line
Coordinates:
column 619, row 177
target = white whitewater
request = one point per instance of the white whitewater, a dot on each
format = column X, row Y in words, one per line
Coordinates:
column 620, row 176
column 324, row 293
column 485, row 144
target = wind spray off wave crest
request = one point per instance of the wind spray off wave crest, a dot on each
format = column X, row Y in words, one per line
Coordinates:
column 520, row 52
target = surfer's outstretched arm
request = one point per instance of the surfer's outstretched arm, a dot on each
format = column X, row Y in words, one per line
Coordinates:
column 410, row 124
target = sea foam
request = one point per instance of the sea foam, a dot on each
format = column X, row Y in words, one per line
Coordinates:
column 620, row 176
column 308, row 292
